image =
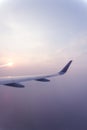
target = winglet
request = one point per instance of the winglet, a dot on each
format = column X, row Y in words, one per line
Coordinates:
column 64, row 70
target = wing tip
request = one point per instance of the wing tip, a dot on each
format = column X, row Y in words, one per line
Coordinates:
column 66, row 67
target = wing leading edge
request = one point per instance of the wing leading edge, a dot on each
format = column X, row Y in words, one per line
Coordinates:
column 15, row 81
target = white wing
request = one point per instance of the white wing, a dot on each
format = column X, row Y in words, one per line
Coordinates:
column 15, row 81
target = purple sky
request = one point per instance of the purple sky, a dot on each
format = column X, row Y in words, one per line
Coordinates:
column 40, row 37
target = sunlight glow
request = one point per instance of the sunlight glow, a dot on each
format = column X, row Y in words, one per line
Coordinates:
column 10, row 64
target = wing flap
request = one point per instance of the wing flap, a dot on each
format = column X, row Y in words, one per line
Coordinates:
column 15, row 85
column 43, row 80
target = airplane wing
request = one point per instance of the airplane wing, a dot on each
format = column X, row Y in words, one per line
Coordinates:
column 14, row 81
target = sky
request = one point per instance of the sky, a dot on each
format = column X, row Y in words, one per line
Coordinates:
column 35, row 32
column 39, row 37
